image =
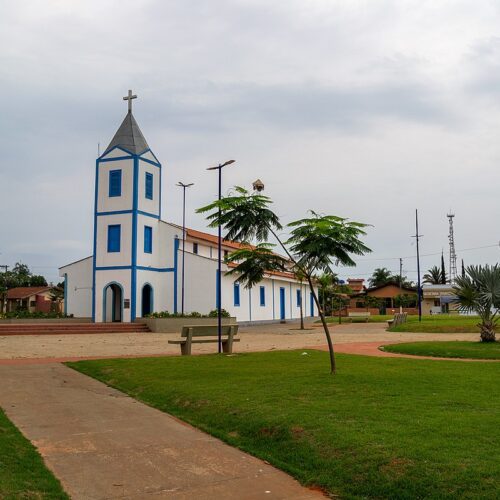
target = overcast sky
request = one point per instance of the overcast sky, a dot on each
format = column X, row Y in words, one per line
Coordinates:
column 363, row 109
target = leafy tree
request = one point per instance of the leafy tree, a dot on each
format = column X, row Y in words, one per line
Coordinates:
column 434, row 276
column 381, row 276
column 314, row 245
column 479, row 291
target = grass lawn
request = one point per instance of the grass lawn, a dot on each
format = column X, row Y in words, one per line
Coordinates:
column 472, row 350
column 439, row 324
column 380, row 428
column 22, row 471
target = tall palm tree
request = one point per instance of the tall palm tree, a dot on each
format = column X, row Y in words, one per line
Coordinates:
column 479, row 291
column 381, row 276
column 434, row 276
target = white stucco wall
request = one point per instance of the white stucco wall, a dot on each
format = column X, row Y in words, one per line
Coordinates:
column 78, row 287
column 105, row 203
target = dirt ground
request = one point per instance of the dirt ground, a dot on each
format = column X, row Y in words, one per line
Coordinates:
column 253, row 338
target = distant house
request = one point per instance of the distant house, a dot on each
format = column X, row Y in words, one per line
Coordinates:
column 382, row 297
column 30, row 298
column 437, row 299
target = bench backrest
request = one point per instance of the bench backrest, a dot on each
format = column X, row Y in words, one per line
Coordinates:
column 354, row 314
column 208, row 330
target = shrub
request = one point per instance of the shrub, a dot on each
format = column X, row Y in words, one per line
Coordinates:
column 214, row 313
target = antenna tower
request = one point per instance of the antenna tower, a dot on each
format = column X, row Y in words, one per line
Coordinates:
column 453, row 255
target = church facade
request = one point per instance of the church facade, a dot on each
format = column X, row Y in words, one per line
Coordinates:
column 136, row 266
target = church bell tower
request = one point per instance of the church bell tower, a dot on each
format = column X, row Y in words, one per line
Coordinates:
column 127, row 210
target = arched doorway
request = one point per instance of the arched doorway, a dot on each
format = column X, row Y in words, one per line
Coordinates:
column 113, row 303
column 147, row 300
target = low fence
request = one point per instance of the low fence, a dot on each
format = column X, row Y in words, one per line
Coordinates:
column 174, row 325
column 19, row 321
column 375, row 311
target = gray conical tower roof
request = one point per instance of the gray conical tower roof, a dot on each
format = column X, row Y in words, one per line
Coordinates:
column 129, row 136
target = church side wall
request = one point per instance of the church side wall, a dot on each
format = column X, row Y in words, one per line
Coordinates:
column 78, row 288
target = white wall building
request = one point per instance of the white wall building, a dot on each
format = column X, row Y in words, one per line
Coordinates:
column 137, row 262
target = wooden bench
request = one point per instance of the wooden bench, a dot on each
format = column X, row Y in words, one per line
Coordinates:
column 357, row 317
column 191, row 335
column 398, row 319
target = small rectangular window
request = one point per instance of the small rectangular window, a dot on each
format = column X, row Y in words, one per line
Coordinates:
column 262, row 296
column 148, row 239
column 114, row 236
column 195, row 247
column 149, row 186
column 299, row 298
column 115, row 183
column 236, row 294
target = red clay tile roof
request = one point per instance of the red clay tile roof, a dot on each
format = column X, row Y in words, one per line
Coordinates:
column 23, row 292
column 193, row 233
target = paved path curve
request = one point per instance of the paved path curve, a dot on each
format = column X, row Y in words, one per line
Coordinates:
column 103, row 444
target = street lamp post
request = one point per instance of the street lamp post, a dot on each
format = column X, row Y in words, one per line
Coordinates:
column 183, row 186
column 219, row 258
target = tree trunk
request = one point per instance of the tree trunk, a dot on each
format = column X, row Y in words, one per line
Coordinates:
column 487, row 329
column 325, row 327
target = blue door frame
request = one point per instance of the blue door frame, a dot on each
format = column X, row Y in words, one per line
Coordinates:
column 282, row 303
column 311, row 298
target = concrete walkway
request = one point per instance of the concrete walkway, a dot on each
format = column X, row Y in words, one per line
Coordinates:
column 103, row 444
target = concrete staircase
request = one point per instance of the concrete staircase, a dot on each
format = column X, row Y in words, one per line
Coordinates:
column 70, row 328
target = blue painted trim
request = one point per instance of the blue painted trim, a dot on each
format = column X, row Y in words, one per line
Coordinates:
column 95, row 237
column 145, row 159
column 65, row 293
column 133, row 271
column 274, row 314
column 101, row 158
column 148, row 185
column 311, row 305
column 148, row 239
column 291, row 313
column 139, row 268
column 117, row 158
column 156, row 269
column 236, row 294
column 176, row 265
column 151, row 162
column 104, row 301
column 115, row 191
column 120, row 212
column 262, row 296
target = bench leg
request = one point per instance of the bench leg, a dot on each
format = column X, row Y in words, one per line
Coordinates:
column 186, row 349
column 227, row 346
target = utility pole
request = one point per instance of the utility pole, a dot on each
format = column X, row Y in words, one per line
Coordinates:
column 400, row 285
column 419, row 290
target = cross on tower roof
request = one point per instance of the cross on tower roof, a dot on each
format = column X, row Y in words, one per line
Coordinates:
column 129, row 98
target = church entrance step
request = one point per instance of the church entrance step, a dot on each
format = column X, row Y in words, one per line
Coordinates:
column 71, row 329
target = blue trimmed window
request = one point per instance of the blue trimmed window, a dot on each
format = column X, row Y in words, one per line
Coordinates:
column 115, row 183
column 149, row 186
column 299, row 298
column 148, row 239
column 262, row 295
column 236, row 292
column 114, row 236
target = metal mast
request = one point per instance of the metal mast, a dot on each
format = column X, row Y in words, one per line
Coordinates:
column 453, row 255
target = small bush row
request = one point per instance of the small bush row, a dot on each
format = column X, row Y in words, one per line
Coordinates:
column 194, row 314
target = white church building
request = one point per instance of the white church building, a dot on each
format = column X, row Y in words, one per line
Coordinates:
column 136, row 266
